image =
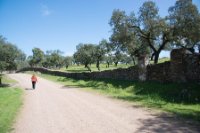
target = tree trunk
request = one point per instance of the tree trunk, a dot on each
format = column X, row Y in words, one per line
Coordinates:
column 86, row 66
column 133, row 61
column 142, row 67
column 199, row 48
column 108, row 64
column 97, row 65
column 152, row 56
column 116, row 64
column 156, row 55
column 0, row 80
column 1, row 75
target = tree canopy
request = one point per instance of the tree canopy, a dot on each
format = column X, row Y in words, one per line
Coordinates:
column 149, row 33
column 185, row 20
column 9, row 55
column 85, row 54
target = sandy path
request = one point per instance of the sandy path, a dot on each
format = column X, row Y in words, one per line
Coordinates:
column 52, row 108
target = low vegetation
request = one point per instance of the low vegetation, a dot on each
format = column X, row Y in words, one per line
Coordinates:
column 180, row 99
column 10, row 102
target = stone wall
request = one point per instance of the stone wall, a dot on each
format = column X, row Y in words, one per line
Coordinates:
column 183, row 67
column 120, row 74
column 191, row 67
column 159, row 72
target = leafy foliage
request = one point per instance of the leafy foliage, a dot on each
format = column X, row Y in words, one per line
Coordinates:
column 38, row 57
column 184, row 18
column 68, row 61
column 10, row 55
column 85, row 54
column 149, row 33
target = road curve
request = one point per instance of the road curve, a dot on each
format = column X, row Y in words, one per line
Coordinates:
column 52, row 108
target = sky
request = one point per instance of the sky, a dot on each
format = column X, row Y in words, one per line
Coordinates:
column 63, row 24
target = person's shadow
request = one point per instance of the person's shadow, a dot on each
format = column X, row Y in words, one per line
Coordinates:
column 29, row 89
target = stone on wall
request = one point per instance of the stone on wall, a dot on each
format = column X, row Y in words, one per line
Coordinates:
column 191, row 65
column 159, row 72
column 177, row 70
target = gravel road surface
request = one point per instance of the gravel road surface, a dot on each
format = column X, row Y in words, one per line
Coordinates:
column 53, row 108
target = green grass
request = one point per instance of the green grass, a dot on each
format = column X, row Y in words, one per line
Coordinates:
column 81, row 68
column 180, row 99
column 161, row 60
column 10, row 102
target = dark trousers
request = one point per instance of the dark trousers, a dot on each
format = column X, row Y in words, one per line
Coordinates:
column 33, row 84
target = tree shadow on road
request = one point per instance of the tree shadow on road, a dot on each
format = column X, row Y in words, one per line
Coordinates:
column 4, row 85
column 167, row 124
column 69, row 87
column 152, row 94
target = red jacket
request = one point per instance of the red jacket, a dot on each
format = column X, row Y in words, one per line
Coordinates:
column 34, row 78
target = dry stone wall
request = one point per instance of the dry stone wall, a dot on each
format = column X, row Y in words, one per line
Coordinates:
column 159, row 72
column 130, row 73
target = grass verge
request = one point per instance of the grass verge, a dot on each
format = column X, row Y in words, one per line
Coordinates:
column 180, row 99
column 10, row 102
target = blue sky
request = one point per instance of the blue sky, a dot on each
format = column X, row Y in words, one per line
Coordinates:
column 63, row 24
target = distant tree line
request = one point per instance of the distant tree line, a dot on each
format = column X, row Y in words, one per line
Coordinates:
column 133, row 35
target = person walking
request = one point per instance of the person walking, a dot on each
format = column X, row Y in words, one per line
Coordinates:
column 34, row 80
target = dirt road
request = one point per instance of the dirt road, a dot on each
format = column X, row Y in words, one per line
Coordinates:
column 52, row 108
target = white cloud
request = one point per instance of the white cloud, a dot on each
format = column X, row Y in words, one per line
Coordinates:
column 45, row 10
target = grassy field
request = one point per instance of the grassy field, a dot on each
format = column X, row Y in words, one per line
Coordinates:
column 10, row 102
column 81, row 68
column 180, row 99
column 161, row 60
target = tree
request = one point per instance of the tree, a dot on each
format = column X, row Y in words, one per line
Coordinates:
column 147, row 33
column 108, row 59
column 125, row 38
column 185, row 20
column 21, row 60
column 126, row 59
column 57, row 59
column 100, row 52
column 108, row 53
column 53, row 59
column 155, row 30
column 117, row 58
column 9, row 54
column 68, row 60
column 47, row 60
column 85, row 54
column 3, row 63
column 30, row 61
column 38, row 56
